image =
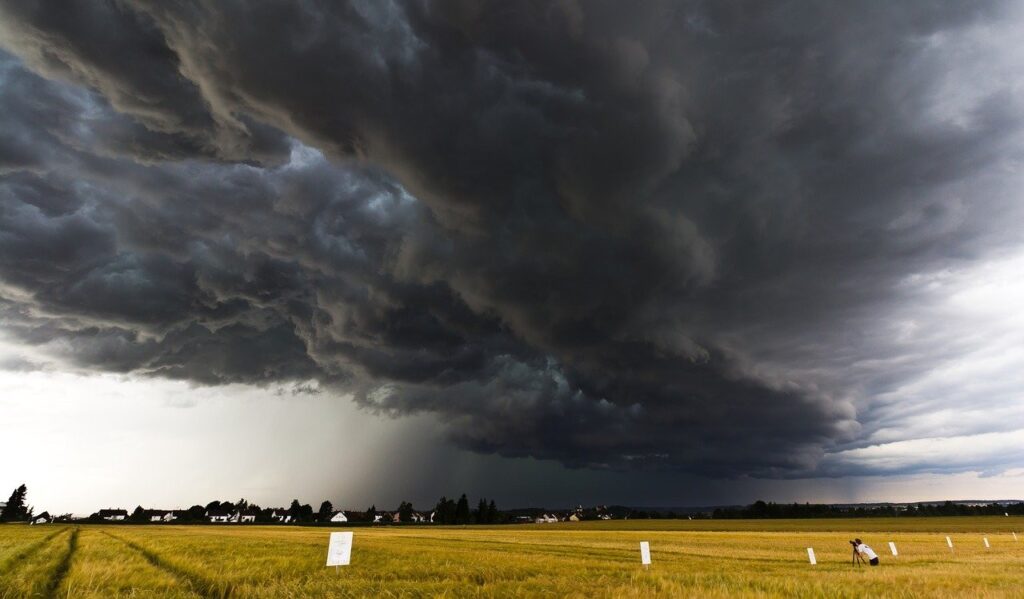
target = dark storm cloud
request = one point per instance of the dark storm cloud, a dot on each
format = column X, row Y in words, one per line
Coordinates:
column 121, row 54
column 666, row 236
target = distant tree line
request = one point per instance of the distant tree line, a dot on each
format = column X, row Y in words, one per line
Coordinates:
column 458, row 512
column 760, row 509
column 298, row 512
column 446, row 511
column 638, row 514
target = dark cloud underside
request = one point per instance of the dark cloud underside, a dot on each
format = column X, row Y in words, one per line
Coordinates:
column 656, row 236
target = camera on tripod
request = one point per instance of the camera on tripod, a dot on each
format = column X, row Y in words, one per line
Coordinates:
column 857, row 559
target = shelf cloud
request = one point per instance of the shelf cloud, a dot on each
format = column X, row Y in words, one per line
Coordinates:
column 718, row 238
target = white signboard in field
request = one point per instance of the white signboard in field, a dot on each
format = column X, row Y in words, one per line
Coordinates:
column 645, row 553
column 949, row 542
column 810, row 556
column 339, row 552
column 892, row 547
column 1014, row 536
column 986, row 543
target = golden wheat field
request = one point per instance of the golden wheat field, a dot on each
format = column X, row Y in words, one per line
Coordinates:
column 698, row 558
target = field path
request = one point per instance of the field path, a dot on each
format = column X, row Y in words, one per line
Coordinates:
column 11, row 562
column 58, row 574
column 197, row 583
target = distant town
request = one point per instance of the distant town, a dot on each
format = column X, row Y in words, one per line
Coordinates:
column 459, row 512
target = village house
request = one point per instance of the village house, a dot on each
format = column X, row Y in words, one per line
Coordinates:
column 339, row 516
column 113, row 515
column 280, row 515
column 546, row 519
column 43, row 518
column 221, row 516
column 396, row 518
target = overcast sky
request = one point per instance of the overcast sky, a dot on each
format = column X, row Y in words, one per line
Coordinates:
column 553, row 253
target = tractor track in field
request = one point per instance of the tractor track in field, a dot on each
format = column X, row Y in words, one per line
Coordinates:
column 61, row 571
column 27, row 552
column 196, row 582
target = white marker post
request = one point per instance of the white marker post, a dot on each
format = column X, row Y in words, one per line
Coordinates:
column 810, row 556
column 339, row 551
column 645, row 554
column 1014, row 535
column 987, row 546
column 949, row 542
column 892, row 547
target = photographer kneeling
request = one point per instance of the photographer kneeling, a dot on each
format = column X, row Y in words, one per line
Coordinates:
column 859, row 548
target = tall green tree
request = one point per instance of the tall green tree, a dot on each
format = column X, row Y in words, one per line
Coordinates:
column 196, row 513
column 444, row 512
column 300, row 512
column 405, row 512
column 16, row 510
column 462, row 510
column 326, row 511
column 295, row 510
